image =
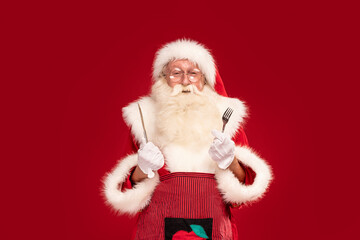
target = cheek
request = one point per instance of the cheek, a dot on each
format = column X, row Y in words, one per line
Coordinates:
column 199, row 85
column 171, row 84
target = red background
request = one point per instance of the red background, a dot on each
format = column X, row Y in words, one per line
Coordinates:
column 71, row 66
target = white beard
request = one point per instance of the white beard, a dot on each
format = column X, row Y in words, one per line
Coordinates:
column 185, row 119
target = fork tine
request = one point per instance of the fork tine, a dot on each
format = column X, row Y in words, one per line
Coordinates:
column 228, row 113
column 225, row 113
column 226, row 116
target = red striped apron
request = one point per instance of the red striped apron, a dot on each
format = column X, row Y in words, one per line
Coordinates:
column 185, row 197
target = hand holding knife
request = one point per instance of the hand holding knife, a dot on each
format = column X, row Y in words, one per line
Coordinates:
column 150, row 158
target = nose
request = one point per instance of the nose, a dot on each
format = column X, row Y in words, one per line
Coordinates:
column 185, row 80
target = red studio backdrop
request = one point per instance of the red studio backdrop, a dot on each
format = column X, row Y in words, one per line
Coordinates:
column 74, row 65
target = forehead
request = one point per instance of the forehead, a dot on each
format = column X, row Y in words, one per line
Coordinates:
column 182, row 63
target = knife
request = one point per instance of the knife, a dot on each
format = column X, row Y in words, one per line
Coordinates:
column 142, row 122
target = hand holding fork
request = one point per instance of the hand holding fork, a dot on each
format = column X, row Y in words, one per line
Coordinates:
column 222, row 150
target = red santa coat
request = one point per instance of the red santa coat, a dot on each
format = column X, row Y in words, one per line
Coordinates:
column 128, row 199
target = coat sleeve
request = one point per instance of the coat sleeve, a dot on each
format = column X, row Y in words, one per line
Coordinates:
column 240, row 139
column 258, row 175
column 119, row 193
column 130, row 148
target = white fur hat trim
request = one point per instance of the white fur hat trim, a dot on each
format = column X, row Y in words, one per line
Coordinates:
column 185, row 49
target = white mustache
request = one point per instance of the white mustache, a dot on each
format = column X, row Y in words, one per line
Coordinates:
column 179, row 88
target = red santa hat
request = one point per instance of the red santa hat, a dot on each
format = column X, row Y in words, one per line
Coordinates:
column 193, row 51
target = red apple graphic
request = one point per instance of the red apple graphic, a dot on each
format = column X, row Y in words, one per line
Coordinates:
column 180, row 235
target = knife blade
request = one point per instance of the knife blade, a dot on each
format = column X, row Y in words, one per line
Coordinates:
column 142, row 122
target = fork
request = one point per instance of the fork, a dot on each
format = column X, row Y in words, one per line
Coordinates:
column 226, row 116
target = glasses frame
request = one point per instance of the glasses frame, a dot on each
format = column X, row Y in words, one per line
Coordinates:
column 180, row 78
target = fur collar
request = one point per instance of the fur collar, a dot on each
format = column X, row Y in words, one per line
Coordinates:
column 133, row 120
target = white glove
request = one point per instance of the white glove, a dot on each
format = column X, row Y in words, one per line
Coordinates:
column 222, row 150
column 150, row 158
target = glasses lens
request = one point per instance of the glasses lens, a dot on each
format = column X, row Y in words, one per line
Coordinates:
column 176, row 76
column 194, row 76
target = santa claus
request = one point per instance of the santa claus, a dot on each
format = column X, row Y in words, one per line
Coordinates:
column 190, row 162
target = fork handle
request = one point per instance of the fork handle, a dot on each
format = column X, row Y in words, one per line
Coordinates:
column 224, row 124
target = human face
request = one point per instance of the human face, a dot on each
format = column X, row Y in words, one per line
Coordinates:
column 189, row 72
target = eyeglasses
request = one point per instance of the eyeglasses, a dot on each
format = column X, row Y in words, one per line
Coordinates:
column 176, row 75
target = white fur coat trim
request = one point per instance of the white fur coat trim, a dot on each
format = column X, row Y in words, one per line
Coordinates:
column 185, row 49
column 132, row 117
column 235, row 192
column 132, row 200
